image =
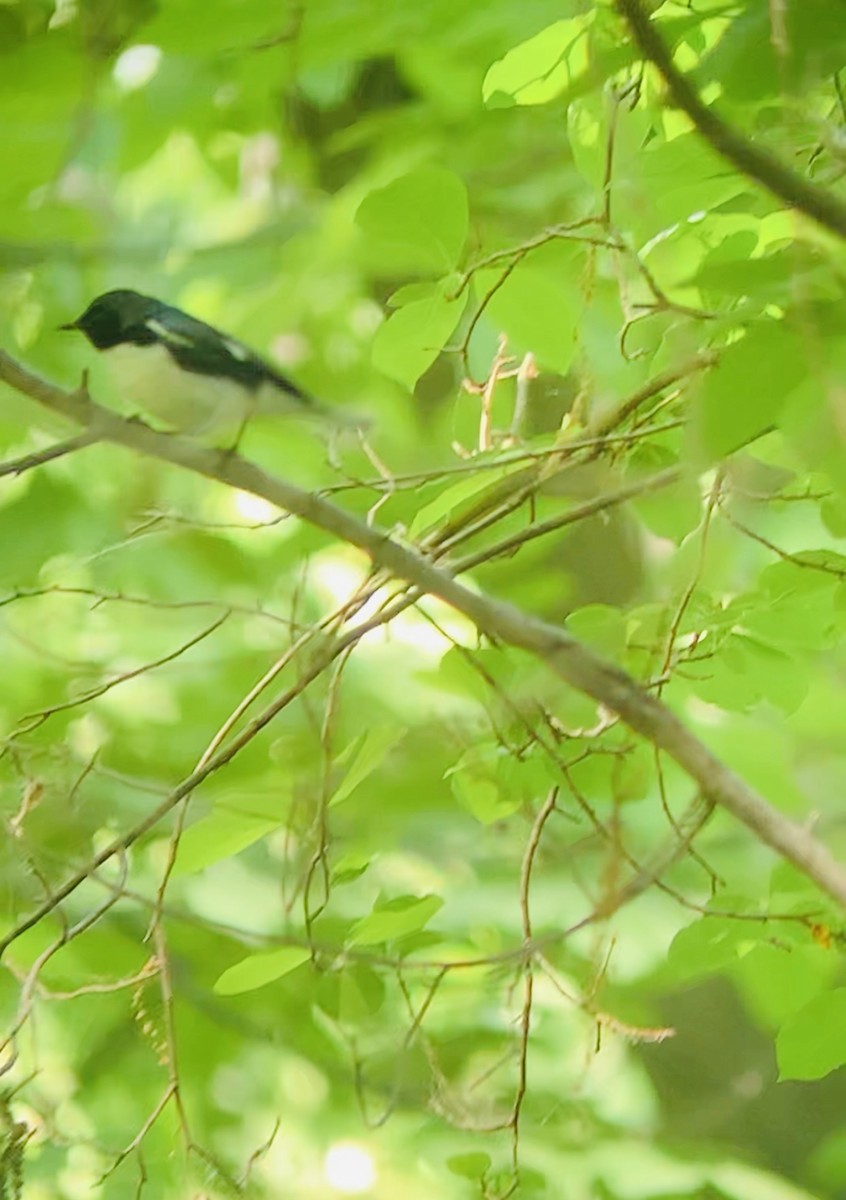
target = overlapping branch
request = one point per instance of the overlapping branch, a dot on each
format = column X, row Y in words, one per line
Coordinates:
column 563, row 654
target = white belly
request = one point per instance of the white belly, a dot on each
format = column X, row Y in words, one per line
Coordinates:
column 148, row 378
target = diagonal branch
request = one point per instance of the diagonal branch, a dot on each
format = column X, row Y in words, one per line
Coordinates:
column 560, row 651
column 756, row 162
column 17, row 466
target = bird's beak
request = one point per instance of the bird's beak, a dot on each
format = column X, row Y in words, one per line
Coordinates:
column 70, row 325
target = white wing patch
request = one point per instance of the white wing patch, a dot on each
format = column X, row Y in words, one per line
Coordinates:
column 237, row 350
column 167, row 335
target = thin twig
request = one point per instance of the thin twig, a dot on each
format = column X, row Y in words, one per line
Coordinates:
column 17, row 466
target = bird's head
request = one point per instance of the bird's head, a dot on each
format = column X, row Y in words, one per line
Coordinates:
column 107, row 319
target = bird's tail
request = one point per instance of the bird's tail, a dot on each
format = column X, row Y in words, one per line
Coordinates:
column 339, row 417
column 292, row 401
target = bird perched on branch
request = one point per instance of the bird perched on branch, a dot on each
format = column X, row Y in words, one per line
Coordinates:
column 187, row 373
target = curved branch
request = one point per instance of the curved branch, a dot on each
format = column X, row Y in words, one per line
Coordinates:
column 759, row 164
column 554, row 646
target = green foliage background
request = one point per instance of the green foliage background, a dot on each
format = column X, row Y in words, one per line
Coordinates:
column 373, row 194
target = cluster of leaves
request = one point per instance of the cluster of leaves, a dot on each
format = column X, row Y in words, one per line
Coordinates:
column 434, row 902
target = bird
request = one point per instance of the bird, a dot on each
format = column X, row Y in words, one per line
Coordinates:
column 188, row 374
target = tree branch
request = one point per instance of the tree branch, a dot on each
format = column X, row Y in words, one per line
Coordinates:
column 562, row 653
column 756, row 162
column 17, row 466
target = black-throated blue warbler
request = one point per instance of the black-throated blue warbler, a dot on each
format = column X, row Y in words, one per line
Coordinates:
column 187, row 373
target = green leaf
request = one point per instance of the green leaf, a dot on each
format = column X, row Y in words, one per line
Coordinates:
column 37, row 85
column 565, row 61
column 796, row 606
column 747, row 669
column 232, row 825
column 670, row 182
column 540, row 68
column 538, row 309
column 472, row 1165
column 833, row 515
column 476, row 785
column 482, row 798
column 393, row 919
column 591, row 773
column 601, row 627
column 778, row 676
column 587, row 134
column 742, row 396
column 459, row 677
column 422, row 289
column 751, row 62
column 709, row 944
column 811, row 416
column 632, row 774
column 813, row 1042
column 368, row 752
column 720, row 683
column 350, row 866
column 259, row 969
column 352, row 994
column 423, row 215
column 731, row 270
column 674, row 511
column 413, row 337
column 778, row 980
column 226, row 25
column 361, row 993
column 457, row 494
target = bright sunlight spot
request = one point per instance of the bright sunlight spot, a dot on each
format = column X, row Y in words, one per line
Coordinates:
column 136, row 66
column 349, row 1168
column 338, row 578
column 254, row 508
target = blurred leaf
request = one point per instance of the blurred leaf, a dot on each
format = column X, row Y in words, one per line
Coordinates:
column 455, row 495
column 741, row 397
column 476, row 785
column 259, row 969
column 470, row 1166
column 674, row 511
column 233, row 825
column 601, row 627
column 423, row 215
column 709, row 944
column 482, row 798
column 349, row 867
column 351, row 995
column 633, row 774
column 812, row 1043
column 683, row 179
column 747, row 669
column 227, row 25
column 537, row 309
column 413, row 337
column 541, row 68
column 394, row 919
column 368, row 753
column 780, row 980
column 751, row 63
